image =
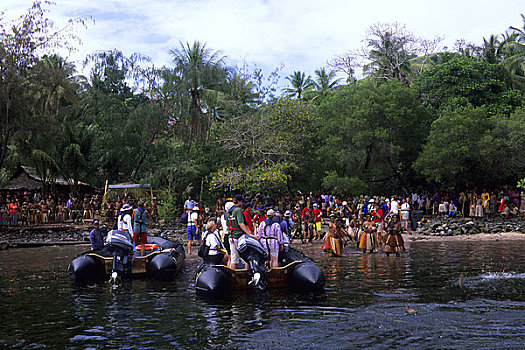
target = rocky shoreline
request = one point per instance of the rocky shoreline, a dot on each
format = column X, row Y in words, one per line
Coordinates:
column 428, row 228
column 447, row 226
column 66, row 234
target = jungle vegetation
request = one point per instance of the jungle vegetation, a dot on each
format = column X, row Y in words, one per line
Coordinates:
column 421, row 116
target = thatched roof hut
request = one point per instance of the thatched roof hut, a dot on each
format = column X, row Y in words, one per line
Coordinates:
column 26, row 179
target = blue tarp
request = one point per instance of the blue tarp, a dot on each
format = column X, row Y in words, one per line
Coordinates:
column 130, row 186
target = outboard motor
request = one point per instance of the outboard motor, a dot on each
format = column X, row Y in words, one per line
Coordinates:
column 119, row 243
column 254, row 254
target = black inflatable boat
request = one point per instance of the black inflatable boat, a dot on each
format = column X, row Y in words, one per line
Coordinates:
column 296, row 271
column 162, row 260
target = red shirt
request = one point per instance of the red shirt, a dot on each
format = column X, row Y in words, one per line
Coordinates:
column 12, row 208
column 305, row 210
column 378, row 215
column 317, row 212
column 259, row 218
column 248, row 219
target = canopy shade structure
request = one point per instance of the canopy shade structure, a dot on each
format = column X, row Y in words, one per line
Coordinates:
column 123, row 186
column 138, row 190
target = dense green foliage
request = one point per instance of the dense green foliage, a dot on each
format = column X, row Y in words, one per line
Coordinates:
column 418, row 119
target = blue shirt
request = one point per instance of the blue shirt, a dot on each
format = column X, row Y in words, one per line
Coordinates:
column 96, row 239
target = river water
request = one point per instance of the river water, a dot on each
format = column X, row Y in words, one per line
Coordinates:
column 439, row 295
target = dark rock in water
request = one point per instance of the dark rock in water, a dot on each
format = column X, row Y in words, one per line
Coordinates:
column 463, row 226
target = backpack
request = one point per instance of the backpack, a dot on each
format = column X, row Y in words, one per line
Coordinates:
column 184, row 218
column 204, row 249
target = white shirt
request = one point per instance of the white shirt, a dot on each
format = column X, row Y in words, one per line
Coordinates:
column 405, row 206
column 192, row 218
column 224, row 225
column 394, row 207
column 212, row 240
column 124, row 223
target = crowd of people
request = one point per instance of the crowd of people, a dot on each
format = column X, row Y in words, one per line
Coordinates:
column 374, row 223
column 32, row 209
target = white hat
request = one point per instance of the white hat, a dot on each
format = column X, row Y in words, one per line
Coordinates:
column 270, row 212
column 345, row 203
column 288, row 213
column 228, row 206
column 126, row 207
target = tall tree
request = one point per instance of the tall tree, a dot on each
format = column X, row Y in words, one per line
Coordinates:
column 461, row 80
column 323, row 83
column 200, row 69
column 372, row 132
column 515, row 57
column 21, row 43
column 300, row 83
column 389, row 50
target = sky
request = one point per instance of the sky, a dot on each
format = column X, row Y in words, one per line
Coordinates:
column 301, row 35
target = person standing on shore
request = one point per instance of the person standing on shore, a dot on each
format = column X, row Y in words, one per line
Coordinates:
column 192, row 230
column 405, row 213
column 13, row 213
column 394, row 208
column 318, row 220
column 95, row 236
column 485, row 197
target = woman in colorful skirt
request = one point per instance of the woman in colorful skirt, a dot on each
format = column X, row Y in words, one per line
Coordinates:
column 368, row 239
column 393, row 241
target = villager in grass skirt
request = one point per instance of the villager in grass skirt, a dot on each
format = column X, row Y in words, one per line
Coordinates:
column 393, row 241
column 368, row 239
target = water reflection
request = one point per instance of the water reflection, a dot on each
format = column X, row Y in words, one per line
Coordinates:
column 364, row 304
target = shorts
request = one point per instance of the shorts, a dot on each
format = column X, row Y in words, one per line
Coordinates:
column 191, row 233
column 274, row 252
column 140, row 238
column 318, row 226
column 405, row 215
column 235, row 257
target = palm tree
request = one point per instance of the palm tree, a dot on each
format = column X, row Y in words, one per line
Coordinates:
column 324, row 82
column 300, row 84
column 57, row 87
column 200, row 69
column 514, row 60
column 389, row 52
column 491, row 51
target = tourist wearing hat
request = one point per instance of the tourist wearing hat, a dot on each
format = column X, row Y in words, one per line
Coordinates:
column 271, row 237
column 192, row 229
column 124, row 219
column 95, row 236
column 289, row 223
